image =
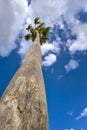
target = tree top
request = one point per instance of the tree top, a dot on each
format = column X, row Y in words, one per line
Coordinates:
column 42, row 30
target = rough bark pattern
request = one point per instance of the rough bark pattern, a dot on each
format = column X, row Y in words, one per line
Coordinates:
column 23, row 105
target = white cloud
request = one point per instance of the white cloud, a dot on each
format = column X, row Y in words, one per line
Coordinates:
column 51, row 10
column 48, row 10
column 45, row 48
column 53, row 50
column 73, row 64
column 74, row 7
column 49, row 60
column 12, row 15
column 81, row 43
column 83, row 114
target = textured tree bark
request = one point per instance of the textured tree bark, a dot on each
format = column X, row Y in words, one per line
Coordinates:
column 23, row 105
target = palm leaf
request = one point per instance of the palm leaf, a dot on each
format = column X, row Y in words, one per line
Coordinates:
column 36, row 20
column 29, row 27
column 43, row 39
column 28, row 37
column 40, row 26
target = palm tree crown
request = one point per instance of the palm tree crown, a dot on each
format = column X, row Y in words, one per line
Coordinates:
column 42, row 30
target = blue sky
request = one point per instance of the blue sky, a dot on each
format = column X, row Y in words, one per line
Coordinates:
column 64, row 56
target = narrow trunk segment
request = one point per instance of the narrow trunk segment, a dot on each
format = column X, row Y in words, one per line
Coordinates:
column 23, row 105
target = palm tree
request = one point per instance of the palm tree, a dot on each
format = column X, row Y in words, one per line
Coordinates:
column 40, row 28
column 23, row 105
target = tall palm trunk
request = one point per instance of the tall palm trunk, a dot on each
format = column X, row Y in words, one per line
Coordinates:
column 23, row 105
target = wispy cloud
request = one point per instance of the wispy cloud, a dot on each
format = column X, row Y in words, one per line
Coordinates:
column 69, row 129
column 82, row 114
column 52, row 70
column 70, row 113
column 73, row 64
column 82, row 129
column 60, row 77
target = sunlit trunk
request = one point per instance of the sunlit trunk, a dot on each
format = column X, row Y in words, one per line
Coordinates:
column 23, row 105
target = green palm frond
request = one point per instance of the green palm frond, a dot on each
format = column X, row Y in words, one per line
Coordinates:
column 36, row 20
column 28, row 37
column 29, row 27
column 43, row 39
column 41, row 25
